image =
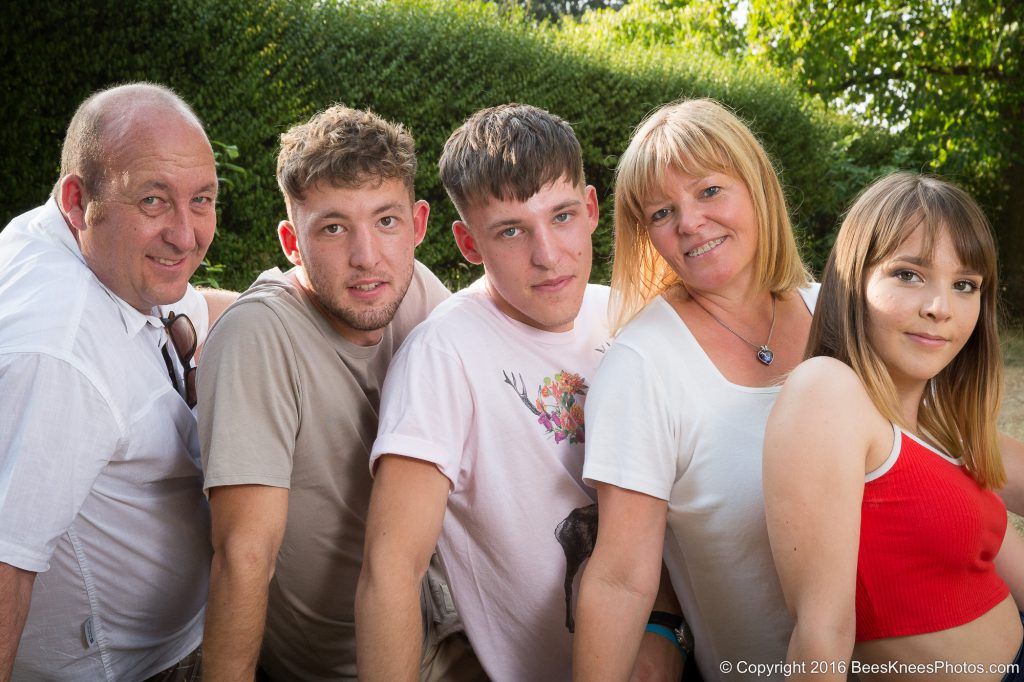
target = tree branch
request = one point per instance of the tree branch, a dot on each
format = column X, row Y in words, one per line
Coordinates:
column 989, row 73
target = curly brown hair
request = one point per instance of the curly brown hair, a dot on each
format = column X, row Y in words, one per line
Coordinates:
column 344, row 147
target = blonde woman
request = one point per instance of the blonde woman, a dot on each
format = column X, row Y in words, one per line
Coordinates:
column 881, row 454
column 714, row 307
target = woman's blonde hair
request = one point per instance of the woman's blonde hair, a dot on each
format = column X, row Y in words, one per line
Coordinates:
column 959, row 407
column 695, row 137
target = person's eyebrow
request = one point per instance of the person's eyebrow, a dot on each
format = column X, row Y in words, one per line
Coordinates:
column 154, row 184
column 923, row 262
column 515, row 222
column 558, row 208
column 913, row 260
column 503, row 224
column 392, row 207
column 164, row 187
column 329, row 214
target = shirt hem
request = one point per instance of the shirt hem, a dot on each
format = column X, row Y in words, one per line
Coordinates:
column 407, row 446
column 247, row 479
column 596, row 474
column 925, row 628
column 16, row 556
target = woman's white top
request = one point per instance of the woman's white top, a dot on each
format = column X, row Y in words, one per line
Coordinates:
column 663, row 420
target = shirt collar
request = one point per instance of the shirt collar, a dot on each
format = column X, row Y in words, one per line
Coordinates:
column 134, row 321
column 53, row 223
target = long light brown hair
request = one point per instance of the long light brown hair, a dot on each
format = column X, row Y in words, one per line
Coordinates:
column 694, row 137
column 959, row 407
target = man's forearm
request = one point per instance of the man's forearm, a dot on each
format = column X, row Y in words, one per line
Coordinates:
column 389, row 627
column 15, row 595
column 235, row 617
column 406, row 512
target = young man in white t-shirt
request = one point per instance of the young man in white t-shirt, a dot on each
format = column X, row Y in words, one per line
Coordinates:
column 480, row 445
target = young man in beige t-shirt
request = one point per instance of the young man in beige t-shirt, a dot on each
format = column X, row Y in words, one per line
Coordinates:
column 288, row 398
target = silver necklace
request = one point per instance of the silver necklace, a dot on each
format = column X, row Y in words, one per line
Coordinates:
column 764, row 353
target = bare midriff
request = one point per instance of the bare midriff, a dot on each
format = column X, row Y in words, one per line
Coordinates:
column 969, row 649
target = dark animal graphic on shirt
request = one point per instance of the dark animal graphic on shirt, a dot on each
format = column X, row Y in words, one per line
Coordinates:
column 559, row 403
column 577, row 534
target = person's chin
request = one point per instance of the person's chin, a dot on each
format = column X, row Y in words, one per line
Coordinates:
column 370, row 318
column 556, row 317
column 169, row 295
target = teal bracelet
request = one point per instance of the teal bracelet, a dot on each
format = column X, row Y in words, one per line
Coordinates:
column 668, row 634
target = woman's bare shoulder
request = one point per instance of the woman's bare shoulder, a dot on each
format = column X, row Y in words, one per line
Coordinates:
column 824, row 372
column 825, row 389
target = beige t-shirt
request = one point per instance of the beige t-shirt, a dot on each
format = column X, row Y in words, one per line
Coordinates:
column 286, row 401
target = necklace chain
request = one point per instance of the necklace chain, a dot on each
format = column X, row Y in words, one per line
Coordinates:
column 764, row 353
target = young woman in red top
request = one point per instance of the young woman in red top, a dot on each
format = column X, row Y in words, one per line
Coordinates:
column 881, row 452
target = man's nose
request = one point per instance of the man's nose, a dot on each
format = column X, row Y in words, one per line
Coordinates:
column 180, row 230
column 365, row 249
column 544, row 252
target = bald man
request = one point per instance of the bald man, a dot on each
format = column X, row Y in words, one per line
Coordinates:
column 104, row 530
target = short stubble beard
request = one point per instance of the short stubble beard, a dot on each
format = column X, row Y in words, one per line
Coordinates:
column 364, row 321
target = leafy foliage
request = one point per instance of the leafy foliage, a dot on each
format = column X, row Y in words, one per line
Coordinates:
column 938, row 83
column 947, row 74
column 696, row 25
column 252, row 68
column 554, row 9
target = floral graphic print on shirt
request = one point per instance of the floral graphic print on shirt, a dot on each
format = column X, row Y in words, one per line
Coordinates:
column 558, row 404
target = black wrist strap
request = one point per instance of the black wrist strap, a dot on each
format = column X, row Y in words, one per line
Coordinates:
column 670, row 620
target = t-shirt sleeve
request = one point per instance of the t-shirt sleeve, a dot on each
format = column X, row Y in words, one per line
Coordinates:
column 426, row 408
column 248, row 399
column 425, row 293
column 631, row 438
column 57, row 432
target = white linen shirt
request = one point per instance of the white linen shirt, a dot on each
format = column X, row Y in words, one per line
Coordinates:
column 100, row 482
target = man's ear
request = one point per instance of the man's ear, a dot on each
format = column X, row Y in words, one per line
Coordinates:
column 466, row 242
column 593, row 207
column 289, row 242
column 420, row 213
column 72, row 201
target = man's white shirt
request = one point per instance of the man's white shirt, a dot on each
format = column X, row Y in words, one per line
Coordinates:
column 100, row 482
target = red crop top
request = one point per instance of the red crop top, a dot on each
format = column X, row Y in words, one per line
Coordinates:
column 928, row 535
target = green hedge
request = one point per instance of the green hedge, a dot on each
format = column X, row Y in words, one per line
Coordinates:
column 252, row 68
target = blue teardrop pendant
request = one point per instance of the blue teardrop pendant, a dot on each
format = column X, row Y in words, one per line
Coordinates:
column 765, row 355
